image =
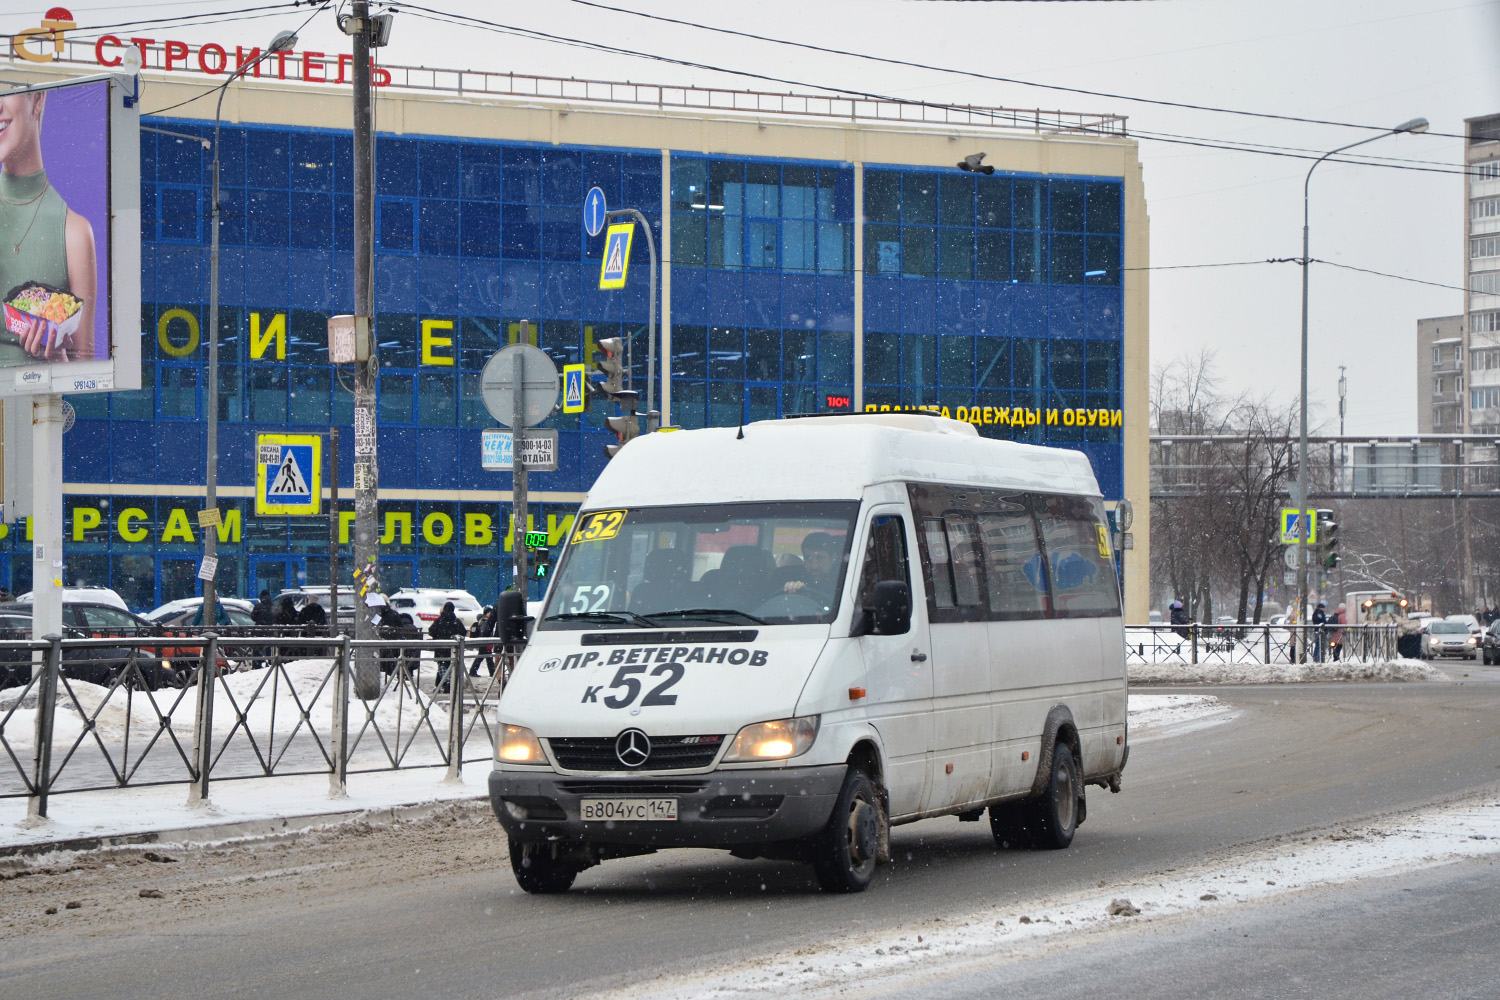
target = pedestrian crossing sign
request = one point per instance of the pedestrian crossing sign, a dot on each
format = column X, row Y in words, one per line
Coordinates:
column 1299, row 530
column 616, row 255
column 574, row 400
column 288, row 474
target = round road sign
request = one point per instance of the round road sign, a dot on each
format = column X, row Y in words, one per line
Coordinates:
column 539, row 389
column 594, row 209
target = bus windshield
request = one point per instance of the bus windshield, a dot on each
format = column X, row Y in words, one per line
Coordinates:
column 721, row 564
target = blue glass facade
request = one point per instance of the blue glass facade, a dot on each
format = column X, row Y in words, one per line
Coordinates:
column 992, row 294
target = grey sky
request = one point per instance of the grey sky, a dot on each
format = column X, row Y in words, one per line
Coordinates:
column 1365, row 61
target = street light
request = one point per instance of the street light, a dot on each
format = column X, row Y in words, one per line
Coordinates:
column 1413, row 126
column 283, row 42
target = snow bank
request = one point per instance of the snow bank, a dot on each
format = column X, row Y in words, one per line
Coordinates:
column 1282, row 673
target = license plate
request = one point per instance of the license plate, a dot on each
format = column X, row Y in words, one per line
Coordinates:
column 628, row 810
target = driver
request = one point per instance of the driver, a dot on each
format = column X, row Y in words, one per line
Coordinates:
column 819, row 551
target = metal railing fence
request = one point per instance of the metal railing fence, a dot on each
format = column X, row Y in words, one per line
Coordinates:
column 1196, row 643
column 88, row 714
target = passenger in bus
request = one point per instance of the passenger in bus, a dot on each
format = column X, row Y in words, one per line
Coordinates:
column 666, row 586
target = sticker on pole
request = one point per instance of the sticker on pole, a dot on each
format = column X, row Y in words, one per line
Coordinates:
column 616, row 255
column 573, row 389
column 288, row 474
column 1297, row 530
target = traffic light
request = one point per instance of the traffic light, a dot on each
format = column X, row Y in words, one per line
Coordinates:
column 625, row 426
column 1328, row 531
column 609, row 362
column 541, row 566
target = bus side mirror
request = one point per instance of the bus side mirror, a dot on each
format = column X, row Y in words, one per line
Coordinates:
column 892, row 608
column 510, row 613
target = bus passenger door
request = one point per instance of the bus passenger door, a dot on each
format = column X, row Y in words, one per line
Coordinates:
column 898, row 666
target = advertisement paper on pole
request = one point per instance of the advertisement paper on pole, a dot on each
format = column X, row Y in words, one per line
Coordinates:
column 539, row 450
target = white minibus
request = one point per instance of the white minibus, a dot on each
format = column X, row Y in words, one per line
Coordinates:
column 783, row 638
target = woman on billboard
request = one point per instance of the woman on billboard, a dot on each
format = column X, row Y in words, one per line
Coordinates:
column 48, row 267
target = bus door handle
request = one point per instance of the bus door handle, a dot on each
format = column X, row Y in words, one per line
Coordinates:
column 917, row 656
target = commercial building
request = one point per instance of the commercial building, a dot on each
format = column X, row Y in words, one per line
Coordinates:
column 819, row 254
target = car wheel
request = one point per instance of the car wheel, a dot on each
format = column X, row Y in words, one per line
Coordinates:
column 844, row 853
column 539, row 870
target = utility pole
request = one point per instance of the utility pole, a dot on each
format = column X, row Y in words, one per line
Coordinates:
column 366, row 470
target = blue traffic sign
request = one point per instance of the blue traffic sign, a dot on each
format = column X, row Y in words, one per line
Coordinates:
column 594, row 210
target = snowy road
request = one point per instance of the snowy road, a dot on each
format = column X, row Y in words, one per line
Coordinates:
column 430, row 908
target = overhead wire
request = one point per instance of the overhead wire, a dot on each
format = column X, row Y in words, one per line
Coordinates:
column 464, row 20
column 913, row 64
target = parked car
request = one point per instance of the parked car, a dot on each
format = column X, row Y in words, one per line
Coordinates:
column 1449, row 638
column 175, row 609
column 1489, row 644
column 224, row 614
column 424, row 604
column 85, row 595
column 95, row 665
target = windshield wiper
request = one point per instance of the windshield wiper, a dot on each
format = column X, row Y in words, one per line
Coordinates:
column 625, row 617
column 709, row 613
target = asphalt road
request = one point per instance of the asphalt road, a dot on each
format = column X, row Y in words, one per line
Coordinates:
column 432, row 907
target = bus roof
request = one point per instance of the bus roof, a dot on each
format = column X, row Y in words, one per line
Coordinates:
column 828, row 458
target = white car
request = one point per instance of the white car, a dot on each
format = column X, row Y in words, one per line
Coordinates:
column 85, row 595
column 173, row 608
column 424, row 604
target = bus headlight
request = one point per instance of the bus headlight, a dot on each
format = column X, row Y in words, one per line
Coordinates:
column 519, row 745
column 776, row 740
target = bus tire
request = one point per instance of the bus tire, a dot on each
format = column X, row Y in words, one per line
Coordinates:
column 1057, row 811
column 844, row 854
column 539, row 870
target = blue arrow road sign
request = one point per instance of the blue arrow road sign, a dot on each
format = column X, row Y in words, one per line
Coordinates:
column 594, row 209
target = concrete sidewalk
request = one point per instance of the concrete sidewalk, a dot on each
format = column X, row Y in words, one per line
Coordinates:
column 236, row 808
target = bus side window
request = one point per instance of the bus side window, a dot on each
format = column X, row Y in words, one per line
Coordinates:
column 936, row 541
column 885, row 560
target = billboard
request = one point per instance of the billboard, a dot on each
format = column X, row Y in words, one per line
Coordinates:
column 69, row 237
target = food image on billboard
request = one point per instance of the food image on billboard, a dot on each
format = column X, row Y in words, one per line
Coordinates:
column 55, row 225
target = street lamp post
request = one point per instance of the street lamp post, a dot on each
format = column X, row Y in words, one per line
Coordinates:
column 283, row 41
column 1415, row 125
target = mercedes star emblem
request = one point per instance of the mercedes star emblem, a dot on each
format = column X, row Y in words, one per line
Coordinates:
column 632, row 747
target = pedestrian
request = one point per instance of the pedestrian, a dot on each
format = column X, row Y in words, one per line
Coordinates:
column 391, row 624
column 312, row 614
column 286, row 612
column 1179, row 619
column 484, row 628
column 264, row 612
column 446, row 628
column 1320, row 622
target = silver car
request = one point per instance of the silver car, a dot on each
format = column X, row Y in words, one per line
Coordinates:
column 1449, row 638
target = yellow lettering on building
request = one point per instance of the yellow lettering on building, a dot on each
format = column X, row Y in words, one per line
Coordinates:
column 392, row 518
column 510, row 535
column 260, row 341
column 84, row 519
column 164, row 323
column 1051, row 417
column 533, row 333
column 437, row 528
column 479, row 529
column 28, row 529
column 229, row 526
column 558, row 530
column 125, row 525
column 346, row 521
column 178, row 528
column 431, row 339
